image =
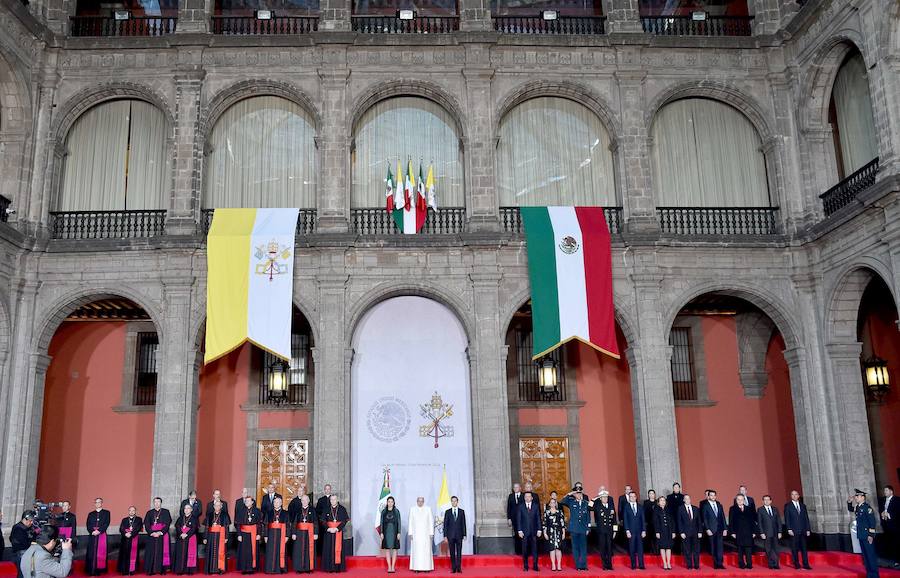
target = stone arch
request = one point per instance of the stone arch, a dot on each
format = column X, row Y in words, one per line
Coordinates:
column 713, row 90
column 81, row 101
column 15, row 96
column 821, row 74
column 59, row 309
column 408, row 87
column 577, row 92
column 766, row 301
column 385, row 291
column 843, row 302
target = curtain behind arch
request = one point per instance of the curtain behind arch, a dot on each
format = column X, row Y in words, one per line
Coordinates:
column 707, row 154
column 406, row 127
column 856, row 121
column 116, row 159
column 262, row 153
column 554, row 151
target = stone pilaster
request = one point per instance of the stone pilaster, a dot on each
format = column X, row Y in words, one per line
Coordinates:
column 174, row 435
column 188, row 156
column 475, row 15
column 766, row 16
column 334, row 144
column 623, row 16
column 479, row 146
column 194, row 16
column 884, row 83
column 634, row 155
column 335, row 15
column 490, row 422
column 45, row 178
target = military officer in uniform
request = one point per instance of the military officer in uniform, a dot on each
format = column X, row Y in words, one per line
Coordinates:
column 607, row 524
column 579, row 524
column 865, row 530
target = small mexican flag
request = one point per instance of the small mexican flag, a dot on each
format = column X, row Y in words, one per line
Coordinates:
column 570, row 267
column 389, row 189
column 409, row 217
column 385, row 493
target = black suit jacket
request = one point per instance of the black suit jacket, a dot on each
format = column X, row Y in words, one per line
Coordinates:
column 195, row 512
column 512, row 508
column 768, row 525
column 210, row 508
column 529, row 520
column 266, row 506
column 742, row 524
column 796, row 521
column 687, row 525
column 623, row 501
column 455, row 528
column 748, row 501
column 893, row 524
column 714, row 521
column 633, row 522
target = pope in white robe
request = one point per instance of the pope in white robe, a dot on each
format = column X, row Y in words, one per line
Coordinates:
column 421, row 537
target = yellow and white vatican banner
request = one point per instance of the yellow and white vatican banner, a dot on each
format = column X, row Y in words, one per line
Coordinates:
column 250, row 280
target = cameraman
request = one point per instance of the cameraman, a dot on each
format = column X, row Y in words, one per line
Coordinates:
column 20, row 538
column 39, row 561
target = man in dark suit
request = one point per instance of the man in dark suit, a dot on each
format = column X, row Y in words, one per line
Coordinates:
column 529, row 530
column 529, row 488
column 690, row 528
column 796, row 520
column 267, row 506
column 675, row 500
column 635, row 530
column 742, row 526
column 323, row 505
column 769, row 530
column 513, row 501
column 623, row 501
column 748, row 500
column 216, row 497
column 239, row 507
column 196, row 506
column 889, row 511
column 714, row 523
column 455, row 533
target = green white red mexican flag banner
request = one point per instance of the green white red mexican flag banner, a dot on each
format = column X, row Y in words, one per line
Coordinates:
column 570, row 266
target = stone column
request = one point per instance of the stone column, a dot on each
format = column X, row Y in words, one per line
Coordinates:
column 331, row 420
column 884, row 83
column 334, row 143
column 490, row 420
column 766, row 16
column 634, row 155
column 656, row 435
column 782, row 163
column 478, row 147
column 174, row 435
column 335, row 15
column 35, row 208
column 818, row 168
column 187, row 154
column 475, row 16
column 623, row 16
column 194, row 16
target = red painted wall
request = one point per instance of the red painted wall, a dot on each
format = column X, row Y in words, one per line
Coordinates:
column 606, row 422
column 87, row 450
column 222, row 425
column 881, row 328
column 739, row 440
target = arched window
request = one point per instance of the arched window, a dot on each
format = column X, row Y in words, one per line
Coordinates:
column 554, row 151
column 116, row 159
column 851, row 116
column 707, row 154
column 406, row 128
column 262, row 153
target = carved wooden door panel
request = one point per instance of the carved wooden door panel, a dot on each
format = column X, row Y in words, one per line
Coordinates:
column 545, row 463
column 283, row 463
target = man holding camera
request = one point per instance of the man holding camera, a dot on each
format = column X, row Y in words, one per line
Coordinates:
column 39, row 562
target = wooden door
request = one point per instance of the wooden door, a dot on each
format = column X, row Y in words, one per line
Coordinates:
column 545, row 463
column 283, row 463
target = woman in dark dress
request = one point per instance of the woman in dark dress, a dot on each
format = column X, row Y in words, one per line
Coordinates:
column 649, row 518
column 664, row 526
column 186, row 542
column 554, row 533
column 390, row 533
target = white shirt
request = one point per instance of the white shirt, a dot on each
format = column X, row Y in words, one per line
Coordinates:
column 769, row 510
column 715, row 508
column 690, row 511
column 796, row 505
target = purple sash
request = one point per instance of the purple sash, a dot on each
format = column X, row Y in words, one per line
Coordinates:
column 191, row 548
column 165, row 539
column 101, row 551
column 132, row 558
column 65, row 532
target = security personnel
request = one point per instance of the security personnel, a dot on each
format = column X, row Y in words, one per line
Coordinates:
column 865, row 531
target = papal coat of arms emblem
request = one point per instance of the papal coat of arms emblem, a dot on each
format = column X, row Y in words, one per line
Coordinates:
column 436, row 413
column 270, row 259
column 568, row 245
column 388, row 419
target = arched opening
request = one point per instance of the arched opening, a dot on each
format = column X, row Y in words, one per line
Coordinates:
column 99, row 406
column 733, row 401
column 707, row 154
column 403, row 130
column 877, row 331
column 116, row 159
column 410, row 411
column 554, row 151
column 583, row 430
column 851, row 117
column 249, row 432
column 261, row 153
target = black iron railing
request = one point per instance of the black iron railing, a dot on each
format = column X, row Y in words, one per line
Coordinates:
column 393, row 25
column 688, row 26
column 107, row 224
column 511, row 219
column 250, row 25
column 4, row 205
column 562, row 25
column 306, row 221
column 377, row 221
column 134, row 26
column 845, row 192
column 718, row 220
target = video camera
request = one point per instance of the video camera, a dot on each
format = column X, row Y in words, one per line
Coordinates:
column 45, row 512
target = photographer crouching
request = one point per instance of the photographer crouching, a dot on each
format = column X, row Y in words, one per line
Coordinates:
column 39, row 562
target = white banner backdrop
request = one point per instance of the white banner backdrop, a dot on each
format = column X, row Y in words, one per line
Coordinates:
column 410, row 413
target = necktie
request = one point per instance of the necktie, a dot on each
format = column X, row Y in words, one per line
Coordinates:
column 454, row 513
column 634, row 507
column 797, row 505
column 715, row 509
column 769, row 510
column 690, row 512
